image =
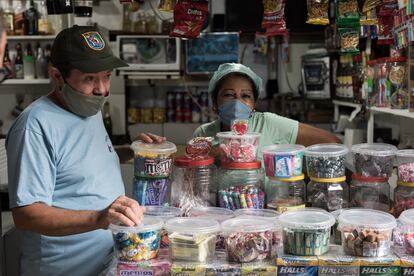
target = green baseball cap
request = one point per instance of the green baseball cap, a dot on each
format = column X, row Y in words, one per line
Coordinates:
column 228, row 68
column 84, row 48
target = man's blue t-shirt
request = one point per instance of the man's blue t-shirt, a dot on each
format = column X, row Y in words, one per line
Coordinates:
column 65, row 161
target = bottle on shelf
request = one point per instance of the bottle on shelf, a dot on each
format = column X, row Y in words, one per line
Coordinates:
column 32, row 17
column 107, row 119
column 18, row 62
column 19, row 18
column 29, row 63
column 83, row 8
column 8, row 15
column 7, row 63
column 41, row 63
column 43, row 21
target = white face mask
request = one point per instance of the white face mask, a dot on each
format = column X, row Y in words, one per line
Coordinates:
column 81, row 104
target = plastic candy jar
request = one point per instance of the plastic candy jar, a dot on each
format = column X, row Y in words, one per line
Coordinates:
column 238, row 148
column 193, row 183
column 241, row 185
column 306, row 232
column 370, row 192
column 286, row 193
column 283, row 161
column 373, row 160
column 366, row 232
column 403, row 197
column 405, row 163
column 406, row 228
column 328, row 193
column 326, row 160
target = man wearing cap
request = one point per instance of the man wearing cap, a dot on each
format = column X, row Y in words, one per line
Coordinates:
column 3, row 41
column 65, row 185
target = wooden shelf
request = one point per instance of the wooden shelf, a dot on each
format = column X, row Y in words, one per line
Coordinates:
column 25, row 82
column 31, row 37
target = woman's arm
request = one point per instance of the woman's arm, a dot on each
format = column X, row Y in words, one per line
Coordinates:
column 309, row 135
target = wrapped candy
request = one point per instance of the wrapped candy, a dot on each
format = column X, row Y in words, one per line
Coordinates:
column 239, row 127
column 137, row 243
column 238, row 148
column 199, row 147
column 283, row 160
column 326, row 160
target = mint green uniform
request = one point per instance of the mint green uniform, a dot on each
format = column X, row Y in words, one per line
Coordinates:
column 274, row 129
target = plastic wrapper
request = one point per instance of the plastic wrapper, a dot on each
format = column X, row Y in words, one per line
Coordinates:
column 137, row 243
column 406, row 229
column 288, row 265
column 306, row 232
column 199, row 147
column 238, row 148
column 349, row 40
column 318, row 12
column 285, row 194
column 239, row 127
column 274, row 14
column 398, row 78
column 336, row 262
column 247, row 239
column 405, row 162
column 370, row 4
column 283, row 160
column 389, row 265
column 189, row 18
column 166, row 5
column 382, row 85
column 192, row 239
column 326, row 160
column 366, row 232
column 403, row 197
column 373, row 160
column 328, row 193
column 347, row 11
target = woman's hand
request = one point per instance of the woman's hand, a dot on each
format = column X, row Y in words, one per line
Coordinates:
column 151, row 138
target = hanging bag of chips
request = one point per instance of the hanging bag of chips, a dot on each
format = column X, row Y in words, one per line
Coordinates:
column 189, row 18
column 347, row 12
column 274, row 17
column 318, row 12
column 349, row 39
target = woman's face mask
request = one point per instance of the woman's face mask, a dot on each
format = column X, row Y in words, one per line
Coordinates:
column 232, row 110
column 81, row 104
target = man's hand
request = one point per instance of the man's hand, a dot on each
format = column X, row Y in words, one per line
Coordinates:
column 151, row 138
column 123, row 210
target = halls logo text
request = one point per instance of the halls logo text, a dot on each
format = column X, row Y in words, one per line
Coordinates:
column 375, row 270
column 160, row 168
column 407, row 271
column 289, row 270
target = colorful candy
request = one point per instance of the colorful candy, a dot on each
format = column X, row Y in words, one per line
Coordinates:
column 239, row 127
column 329, row 194
column 326, row 160
column 403, row 197
column 241, row 196
column 406, row 172
column 238, row 148
column 151, row 191
column 199, row 147
column 283, row 160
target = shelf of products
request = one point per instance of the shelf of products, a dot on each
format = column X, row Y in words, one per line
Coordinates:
column 23, row 81
column 31, row 37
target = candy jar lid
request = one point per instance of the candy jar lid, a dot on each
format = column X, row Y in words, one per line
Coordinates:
column 308, row 218
column 231, row 135
column 165, row 148
column 326, row 150
column 257, row 164
column 256, row 212
column 163, row 212
column 192, row 225
column 407, row 217
column 148, row 224
column 217, row 213
column 185, row 161
column 366, row 218
column 246, row 224
column 405, row 153
column 375, row 149
column 283, row 149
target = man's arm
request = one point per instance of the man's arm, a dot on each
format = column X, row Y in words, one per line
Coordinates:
column 52, row 221
column 309, row 135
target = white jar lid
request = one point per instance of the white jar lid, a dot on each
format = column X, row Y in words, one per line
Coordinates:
column 192, row 226
column 216, row 213
column 231, row 135
column 257, row 212
column 326, row 150
column 366, row 218
column 165, row 148
column 285, row 149
column 308, row 218
column 148, row 224
column 407, row 217
column 375, row 149
column 164, row 212
column 246, row 224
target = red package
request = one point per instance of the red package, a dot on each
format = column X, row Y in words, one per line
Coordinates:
column 274, row 14
column 189, row 17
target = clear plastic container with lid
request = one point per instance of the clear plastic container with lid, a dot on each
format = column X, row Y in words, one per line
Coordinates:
column 370, row 192
column 247, row 239
column 139, row 242
column 373, row 160
column 335, row 232
column 153, row 160
column 241, row 185
column 151, row 191
column 406, row 228
column 285, row 194
column 193, row 183
column 326, row 160
column 328, row 193
column 366, row 232
column 397, row 76
column 306, row 232
column 165, row 213
column 216, row 213
column 268, row 215
column 283, row 161
column 403, row 197
column 192, row 239
column 405, row 163
column 238, row 148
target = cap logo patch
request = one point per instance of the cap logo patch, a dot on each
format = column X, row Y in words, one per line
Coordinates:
column 94, row 40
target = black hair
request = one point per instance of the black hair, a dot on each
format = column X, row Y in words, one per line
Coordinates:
column 214, row 93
